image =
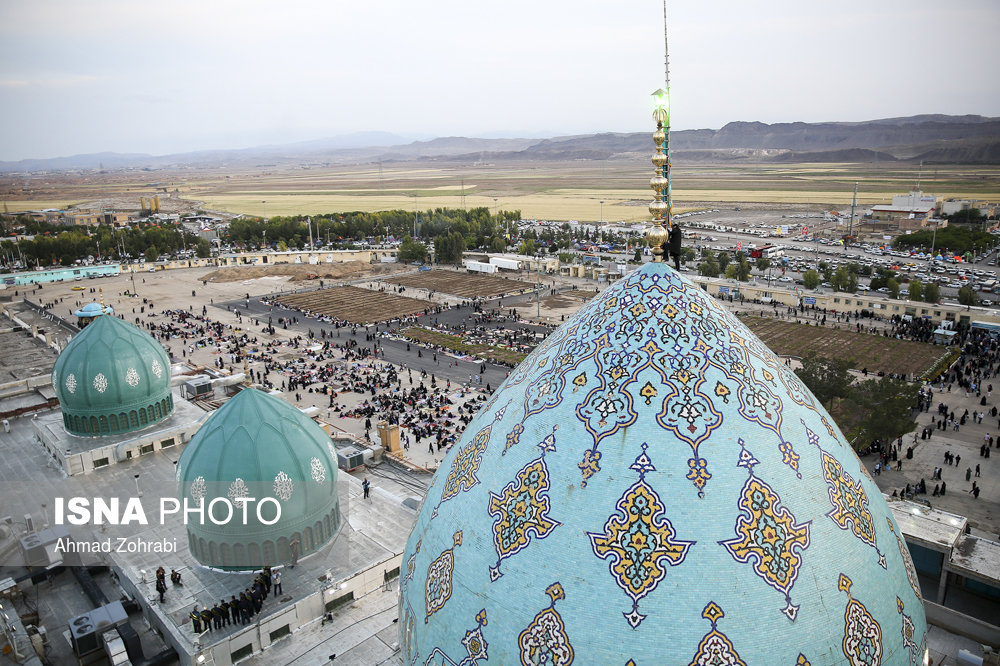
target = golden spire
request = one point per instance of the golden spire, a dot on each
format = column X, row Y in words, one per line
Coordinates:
column 661, row 207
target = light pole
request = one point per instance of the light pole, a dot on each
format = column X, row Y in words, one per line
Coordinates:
column 538, row 286
column 602, row 212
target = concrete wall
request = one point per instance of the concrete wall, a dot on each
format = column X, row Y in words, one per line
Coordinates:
column 959, row 623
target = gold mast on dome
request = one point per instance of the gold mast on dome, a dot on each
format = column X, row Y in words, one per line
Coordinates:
column 661, row 207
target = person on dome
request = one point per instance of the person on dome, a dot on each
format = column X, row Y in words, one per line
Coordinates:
column 675, row 244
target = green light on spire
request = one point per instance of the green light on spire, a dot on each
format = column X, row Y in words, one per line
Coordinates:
column 661, row 106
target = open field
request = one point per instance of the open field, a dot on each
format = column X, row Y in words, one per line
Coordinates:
column 463, row 285
column 356, row 305
column 544, row 190
column 296, row 272
column 862, row 350
column 491, row 353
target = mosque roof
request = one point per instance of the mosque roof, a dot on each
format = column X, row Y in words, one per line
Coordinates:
column 112, row 368
column 257, row 445
column 652, row 485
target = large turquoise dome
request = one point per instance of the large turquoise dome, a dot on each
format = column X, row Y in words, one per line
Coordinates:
column 112, row 378
column 653, row 486
column 257, row 445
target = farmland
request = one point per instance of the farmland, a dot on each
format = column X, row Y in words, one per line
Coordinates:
column 356, row 305
column 570, row 190
column 861, row 350
column 463, row 285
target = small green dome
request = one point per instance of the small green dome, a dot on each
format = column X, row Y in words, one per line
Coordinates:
column 112, row 378
column 257, row 445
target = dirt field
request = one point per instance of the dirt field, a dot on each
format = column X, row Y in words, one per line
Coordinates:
column 860, row 349
column 296, row 272
column 356, row 305
column 463, row 285
column 538, row 189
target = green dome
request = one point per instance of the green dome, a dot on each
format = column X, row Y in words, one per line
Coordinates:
column 257, row 445
column 112, row 378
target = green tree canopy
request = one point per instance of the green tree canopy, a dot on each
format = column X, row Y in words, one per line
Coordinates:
column 932, row 292
column 893, row 286
column 827, row 378
column 967, row 296
column 709, row 268
column 411, row 250
column 810, row 279
column 763, row 264
column 884, row 405
column 915, row 290
column 722, row 259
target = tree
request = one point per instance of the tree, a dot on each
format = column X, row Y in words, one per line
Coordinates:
column 688, row 255
column 893, row 286
column 742, row 270
column 885, row 406
column 637, row 257
column 967, row 296
column 810, row 279
column 527, row 247
column 709, row 268
column 932, row 292
column 731, row 271
column 915, row 290
column 411, row 250
column 497, row 245
column 203, row 248
column 827, row 378
column 844, row 280
column 723, row 259
column 152, row 253
column 763, row 264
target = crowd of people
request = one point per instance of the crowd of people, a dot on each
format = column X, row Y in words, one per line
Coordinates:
column 238, row 611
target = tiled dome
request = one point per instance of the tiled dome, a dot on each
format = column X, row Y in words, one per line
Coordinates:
column 112, row 378
column 257, row 445
column 653, row 486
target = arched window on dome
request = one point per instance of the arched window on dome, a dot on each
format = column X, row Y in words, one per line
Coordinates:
column 253, row 554
column 142, row 416
column 318, row 531
column 156, row 410
column 307, row 540
column 213, row 552
column 227, row 555
column 202, row 552
column 104, row 423
column 284, row 552
column 133, row 419
column 95, row 426
column 239, row 555
column 76, row 424
column 326, row 524
column 113, row 419
column 66, row 421
column 270, row 555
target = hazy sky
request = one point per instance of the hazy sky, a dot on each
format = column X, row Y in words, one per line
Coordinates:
column 79, row 76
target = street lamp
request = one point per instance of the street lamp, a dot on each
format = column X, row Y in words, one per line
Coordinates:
column 602, row 212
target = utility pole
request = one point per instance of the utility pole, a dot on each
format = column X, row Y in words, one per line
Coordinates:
column 538, row 286
column 854, row 202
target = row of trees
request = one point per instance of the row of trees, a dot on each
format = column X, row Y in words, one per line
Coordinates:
column 950, row 240
column 865, row 411
column 59, row 245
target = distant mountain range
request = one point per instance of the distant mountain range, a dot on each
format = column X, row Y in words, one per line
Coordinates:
column 930, row 138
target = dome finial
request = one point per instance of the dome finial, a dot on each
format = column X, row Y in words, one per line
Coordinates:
column 100, row 291
column 662, row 205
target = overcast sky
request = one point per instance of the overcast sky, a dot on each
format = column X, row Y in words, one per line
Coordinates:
column 177, row 75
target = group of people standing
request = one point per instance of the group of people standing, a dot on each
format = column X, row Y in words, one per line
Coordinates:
column 241, row 610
